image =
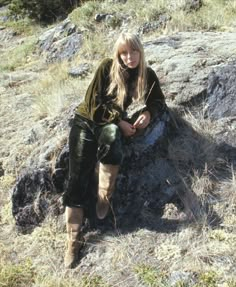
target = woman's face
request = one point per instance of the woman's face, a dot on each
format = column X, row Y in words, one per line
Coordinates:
column 129, row 56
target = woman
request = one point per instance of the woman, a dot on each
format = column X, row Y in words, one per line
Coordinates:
column 99, row 124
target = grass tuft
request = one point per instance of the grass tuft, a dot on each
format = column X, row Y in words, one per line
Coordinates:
column 19, row 56
column 19, row 275
column 149, row 275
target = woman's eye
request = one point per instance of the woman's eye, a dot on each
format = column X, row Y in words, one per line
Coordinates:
column 125, row 53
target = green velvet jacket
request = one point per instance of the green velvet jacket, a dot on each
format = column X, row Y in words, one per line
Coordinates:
column 101, row 108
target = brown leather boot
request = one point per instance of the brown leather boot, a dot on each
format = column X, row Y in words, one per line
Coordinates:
column 75, row 240
column 107, row 179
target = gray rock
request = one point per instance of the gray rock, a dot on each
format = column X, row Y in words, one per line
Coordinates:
column 185, row 5
column 147, row 181
column 152, row 26
column 221, row 92
column 225, row 137
column 81, row 71
column 192, row 5
column 32, row 198
column 184, row 61
column 61, row 42
column 102, row 17
column 38, row 186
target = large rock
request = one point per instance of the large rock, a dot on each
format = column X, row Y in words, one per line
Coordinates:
column 221, row 107
column 184, row 61
column 32, row 198
column 146, row 182
column 61, row 42
column 221, row 92
column 192, row 5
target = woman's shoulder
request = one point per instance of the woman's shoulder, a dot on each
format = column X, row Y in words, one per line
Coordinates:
column 105, row 63
column 104, row 67
column 151, row 74
column 150, row 70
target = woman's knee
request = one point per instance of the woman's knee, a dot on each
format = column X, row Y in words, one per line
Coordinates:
column 110, row 145
column 109, row 134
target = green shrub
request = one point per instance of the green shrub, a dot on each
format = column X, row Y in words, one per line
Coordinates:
column 41, row 10
column 84, row 15
column 4, row 2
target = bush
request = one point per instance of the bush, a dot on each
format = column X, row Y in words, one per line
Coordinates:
column 4, row 2
column 41, row 10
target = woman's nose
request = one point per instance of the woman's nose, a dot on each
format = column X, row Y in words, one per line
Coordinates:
column 129, row 55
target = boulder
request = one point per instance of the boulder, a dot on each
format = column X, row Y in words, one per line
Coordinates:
column 80, row 71
column 221, row 107
column 32, row 198
column 221, row 92
column 184, row 61
column 192, row 5
column 152, row 26
column 146, row 182
column 61, row 42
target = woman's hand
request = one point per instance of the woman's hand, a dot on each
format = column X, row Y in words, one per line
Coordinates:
column 127, row 129
column 142, row 121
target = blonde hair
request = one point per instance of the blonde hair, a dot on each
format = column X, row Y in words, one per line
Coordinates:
column 117, row 73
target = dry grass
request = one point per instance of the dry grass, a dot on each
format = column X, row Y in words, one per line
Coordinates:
column 116, row 260
column 19, row 56
column 55, row 90
column 194, row 148
column 213, row 15
column 96, row 45
column 24, row 27
column 227, row 204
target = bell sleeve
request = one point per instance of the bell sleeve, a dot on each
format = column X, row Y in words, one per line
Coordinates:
column 101, row 107
column 154, row 97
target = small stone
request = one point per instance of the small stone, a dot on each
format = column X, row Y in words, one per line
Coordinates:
column 80, row 71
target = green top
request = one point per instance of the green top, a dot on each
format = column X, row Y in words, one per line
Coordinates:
column 101, row 108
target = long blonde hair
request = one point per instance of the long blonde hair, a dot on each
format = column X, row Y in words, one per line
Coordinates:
column 117, row 77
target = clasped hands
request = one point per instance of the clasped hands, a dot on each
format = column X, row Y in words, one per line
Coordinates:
column 142, row 122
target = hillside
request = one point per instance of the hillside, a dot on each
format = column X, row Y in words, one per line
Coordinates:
column 44, row 74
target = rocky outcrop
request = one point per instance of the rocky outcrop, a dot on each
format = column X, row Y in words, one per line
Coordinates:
column 61, row 42
column 191, row 5
column 154, row 25
column 185, row 60
column 32, row 198
column 144, row 171
column 221, row 92
column 195, row 71
column 221, row 107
